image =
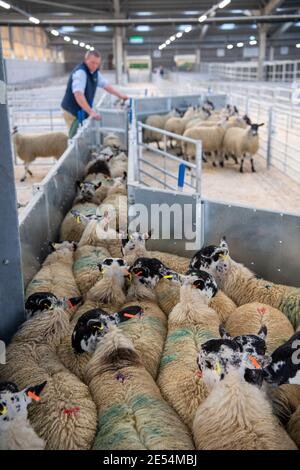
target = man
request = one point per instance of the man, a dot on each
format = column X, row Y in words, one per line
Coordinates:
column 81, row 89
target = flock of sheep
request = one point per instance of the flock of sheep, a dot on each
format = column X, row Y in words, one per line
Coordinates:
column 224, row 134
column 125, row 348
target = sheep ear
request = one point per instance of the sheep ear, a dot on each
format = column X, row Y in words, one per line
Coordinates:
column 147, row 235
column 125, row 176
column 263, row 332
column 223, row 243
column 223, row 333
column 75, row 301
column 262, row 124
column 52, row 245
column 97, row 186
column 75, row 244
column 78, row 184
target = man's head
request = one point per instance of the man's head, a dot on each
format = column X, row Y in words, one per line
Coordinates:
column 92, row 60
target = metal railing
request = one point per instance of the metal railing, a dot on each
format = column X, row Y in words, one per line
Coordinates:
column 274, row 71
column 167, row 174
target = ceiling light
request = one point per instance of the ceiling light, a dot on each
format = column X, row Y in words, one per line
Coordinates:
column 100, row 29
column 252, row 38
column 183, row 27
column 54, row 32
column 172, row 38
column 87, row 46
column 67, row 29
column 253, row 42
column 67, row 38
column 144, row 13
column 5, row 5
column 191, row 12
column 229, row 46
column 142, row 28
column 298, row 45
column 75, row 42
column 92, row 49
column 240, row 44
column 34, row 20
column 168, row 42
column 188, row 29
column 227, row 26
column 178, row 35
column 224, row 3
column 82, row 44
column 202, row 18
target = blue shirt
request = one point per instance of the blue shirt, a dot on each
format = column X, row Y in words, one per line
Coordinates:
column 79, row 79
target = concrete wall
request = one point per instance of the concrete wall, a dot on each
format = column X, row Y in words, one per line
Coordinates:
column 19, row 71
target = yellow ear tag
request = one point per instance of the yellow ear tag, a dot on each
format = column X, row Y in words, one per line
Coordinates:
column 168, row 277
column 3, row 411
column 78, row 219
column 51, row 307
column 218, row 368
column 99, row 327
column 224, row 257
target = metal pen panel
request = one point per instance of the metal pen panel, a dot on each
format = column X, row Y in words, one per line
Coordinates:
column 266, row 242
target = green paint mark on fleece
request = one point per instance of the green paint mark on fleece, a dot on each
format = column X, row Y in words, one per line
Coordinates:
column 290, row 306
column 89, row 261
column 168, row 358
column 178, row 335
column 147, row 323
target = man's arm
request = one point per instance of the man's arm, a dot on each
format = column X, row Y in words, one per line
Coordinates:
column 113, row 91
column 82, row 102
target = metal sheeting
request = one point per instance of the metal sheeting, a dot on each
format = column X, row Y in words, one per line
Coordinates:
column 266, row 242
column 174, row 218
column 160, row 105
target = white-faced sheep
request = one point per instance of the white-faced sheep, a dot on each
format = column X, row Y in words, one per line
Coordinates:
column 29, row 147
column 134, row 247
column 66, row 418
column 241, row 285
column 158, row 121
column 131, row 412
column 16, row 432
column 236, row 415
column 242, row 143
column 211, row 138
column 56, row 274
column 112, row 140
column 70, row 229
column 191, row 323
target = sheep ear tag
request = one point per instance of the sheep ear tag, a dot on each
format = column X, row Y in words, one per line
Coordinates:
column 218, row 368
column 168, row 276
column 33, row 396
column 3, row 410
column 254, row 362
column 78, row 219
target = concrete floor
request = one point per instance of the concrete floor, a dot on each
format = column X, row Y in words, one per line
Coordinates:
column 265, row 189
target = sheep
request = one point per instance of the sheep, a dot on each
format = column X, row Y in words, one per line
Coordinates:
column 131, row 412
column 76, row 348
column 134, row 247
column 16, row 432
column 29, row 147
column 85, row 267
column 116, row 202
column 112, row 140
column 88, row 192
column 293, row 427
column 158, row 121
column 236, row 415
column 98, row 165
column 106, row 184
column 178, row 125
column 66, row 419
column 98, row 232
column 211, row 137
column 168, row 295
column 111, row 289
column 241, row 285
column 190, row 323
column 118, row 165
column 71, row 230
column 248, row 317
column 56, row 274
column 242, row 142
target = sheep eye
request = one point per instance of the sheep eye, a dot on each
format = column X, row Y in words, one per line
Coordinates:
column 208, row 365
column 215, row 257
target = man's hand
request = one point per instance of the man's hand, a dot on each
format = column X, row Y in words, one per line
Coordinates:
column 124, row 97
column 95, row 115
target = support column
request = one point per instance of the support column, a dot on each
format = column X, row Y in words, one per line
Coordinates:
column 11, row 282
column 118, row 40
column 262, row 35
column 198, row 59
column 271, row 53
